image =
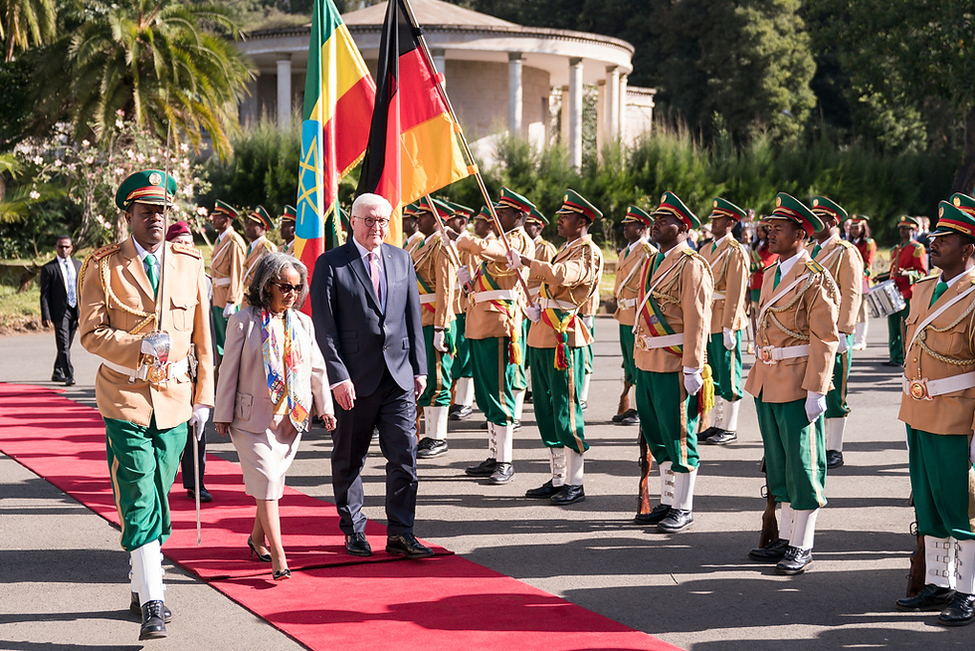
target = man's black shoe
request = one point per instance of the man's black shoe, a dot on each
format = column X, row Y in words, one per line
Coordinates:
column 57, row 377
column 722, row 437
column 569, row 494
column 528, row 397
column 205, row 495
column 484, row 469
column 460, row 412
column 630, row 418
column 677, row 520
column 795, row 561
column 407, row 545
column 503, row 473
column 654, row 517
column 544, row 491
column 960, row 612
column 706, row 434
column 357, row 545
column 773, row 553
column 153, row 624
column 931, row 597
column 428, row 448
column 834, row 459
column 69, row 382
column 136, row 610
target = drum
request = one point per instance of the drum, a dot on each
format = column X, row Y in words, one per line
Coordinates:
column 884, row 299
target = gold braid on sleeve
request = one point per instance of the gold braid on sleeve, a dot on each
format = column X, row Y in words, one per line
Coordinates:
column 771, row 312
column 105, row 275
column 922, row 339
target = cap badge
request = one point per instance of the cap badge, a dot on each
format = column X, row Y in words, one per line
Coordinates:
column 155, row 178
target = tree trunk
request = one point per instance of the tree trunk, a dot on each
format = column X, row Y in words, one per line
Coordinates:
column 965, row 175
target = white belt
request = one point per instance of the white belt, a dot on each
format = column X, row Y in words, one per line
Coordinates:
column 168, row 372
column 552, row 304
column 626, row 303
column 717, row 296
column 495, row 295
column 220, row 282
column 535, row 291
column 646, row 342
column 925, row 389
column 426, row 299
column 772, row 354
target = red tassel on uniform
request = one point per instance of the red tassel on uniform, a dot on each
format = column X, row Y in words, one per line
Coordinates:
column 562, row 355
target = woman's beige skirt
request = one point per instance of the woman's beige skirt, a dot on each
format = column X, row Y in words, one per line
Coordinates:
column 266, row 456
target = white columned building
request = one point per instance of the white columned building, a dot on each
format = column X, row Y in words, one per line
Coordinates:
column 284, row 90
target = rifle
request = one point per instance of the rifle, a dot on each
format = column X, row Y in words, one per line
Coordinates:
column 624, row 405
column 646, row 463
column 770, row 527
column 915, row 578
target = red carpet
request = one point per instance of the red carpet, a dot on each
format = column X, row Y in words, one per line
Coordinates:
column 441, row 603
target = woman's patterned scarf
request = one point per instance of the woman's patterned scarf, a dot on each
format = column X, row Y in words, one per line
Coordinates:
column 284, row 379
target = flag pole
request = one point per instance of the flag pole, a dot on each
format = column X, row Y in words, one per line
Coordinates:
column 463, row 139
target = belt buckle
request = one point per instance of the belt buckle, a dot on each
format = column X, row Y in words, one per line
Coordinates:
column 641, row 342
column 158, row 373
column 919, row 389
column 765, row 352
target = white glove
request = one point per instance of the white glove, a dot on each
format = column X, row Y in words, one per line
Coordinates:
column 463, row 274
column 440, row 340
column 729, row 338
column 842, row 347
column 534, row 313
column 514, row 260
column 198, row 421
column 693, row 380
column 815, row 405
column 229, row 310
column 147, row 348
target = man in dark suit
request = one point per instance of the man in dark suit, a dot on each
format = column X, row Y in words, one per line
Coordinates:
column 366, row 309
column 59, row 306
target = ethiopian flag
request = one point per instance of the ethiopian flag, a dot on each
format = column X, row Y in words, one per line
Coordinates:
column 339, row 98
column 415, row 146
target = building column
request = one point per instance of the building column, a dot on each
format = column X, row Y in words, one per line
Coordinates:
column 575, row 112
column 440, row 63
column 515, row 93
column 601, row 107
column 622, row 118
column 611, row 122
column 284, row 91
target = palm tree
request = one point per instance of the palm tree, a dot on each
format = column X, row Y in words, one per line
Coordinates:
column 159, row 63
column 22, row 21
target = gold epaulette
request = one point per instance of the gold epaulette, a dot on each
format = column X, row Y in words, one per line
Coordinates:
column 814, row 267
column 846, row 244
column 106, row 250
column 178, row 247
column 933, row 277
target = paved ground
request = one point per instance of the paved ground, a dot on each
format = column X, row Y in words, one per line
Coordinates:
column 64, row 581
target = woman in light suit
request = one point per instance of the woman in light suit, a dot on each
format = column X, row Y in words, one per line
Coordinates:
column 272, row 379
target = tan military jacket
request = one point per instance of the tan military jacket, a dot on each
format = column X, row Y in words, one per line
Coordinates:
column 288, row 249
column 487, row 317
column 461, row 299
column 683, row 292
column 628, row 278
column 436, row 275
column 413, row 241
column 570, row 278
column 115, row 312
column 842, row 260
column 259, row 247
column 805, row 315
column 227, row 270
column 729, row 266
column 928, row 355
column 544, row 251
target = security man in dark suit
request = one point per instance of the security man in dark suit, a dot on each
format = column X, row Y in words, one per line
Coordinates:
column 59, row 306
column 366, row 309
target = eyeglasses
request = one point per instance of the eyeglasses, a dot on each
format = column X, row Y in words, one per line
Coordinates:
column 64, row 246
column 286, row 288
column 370, row 222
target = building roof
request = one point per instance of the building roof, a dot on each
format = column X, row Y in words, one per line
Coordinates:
column 428, row 12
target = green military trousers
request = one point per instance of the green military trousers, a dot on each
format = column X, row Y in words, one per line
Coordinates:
column 555, row 396
column 836, row 406
column 495, row 379
column 439, row 367
column 725, row 366
column 668, row 419
column 627, row 341
column 942, row 481
column 795, row 453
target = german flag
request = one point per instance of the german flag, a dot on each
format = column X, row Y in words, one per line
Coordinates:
column 415, row 146
column 339, row 97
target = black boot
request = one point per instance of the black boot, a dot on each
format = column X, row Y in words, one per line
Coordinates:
column 137, row 611
column 931, row 597
column 153, row 623
column 960, row 612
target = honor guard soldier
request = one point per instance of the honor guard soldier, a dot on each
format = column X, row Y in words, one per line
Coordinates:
column 860, row 236
column 556, row 345
column 287, row 229
column 938, row 407
column 796, row 345
column 673, row 316
column 544, row 251
column 908, row 264
column 588, row 316
column 226, row 270
column 493, row 330
column 256, row 225
column 729, row 316
column 412, row 235
column 144, row 307
column 463, row 376
column 436, row 273
column 628, row 266
column 842, row 261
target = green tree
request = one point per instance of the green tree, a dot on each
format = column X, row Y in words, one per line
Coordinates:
column 159, row 63
column 23, row 22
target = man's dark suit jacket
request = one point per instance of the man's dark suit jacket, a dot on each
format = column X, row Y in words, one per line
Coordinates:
column 357, row 339
column 54, row 295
